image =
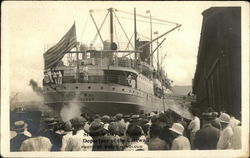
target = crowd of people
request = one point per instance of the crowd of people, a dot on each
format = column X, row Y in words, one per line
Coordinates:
column 153, row 131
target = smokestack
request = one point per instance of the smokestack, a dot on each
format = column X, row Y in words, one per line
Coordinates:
column 38, row 90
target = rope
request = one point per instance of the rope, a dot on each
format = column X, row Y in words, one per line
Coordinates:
column 123, row 30
column 156, row 19
column 84, row 28
column 126, row 18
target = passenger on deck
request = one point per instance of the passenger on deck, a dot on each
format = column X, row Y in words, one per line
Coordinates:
column 55, row 77
column 59, row 77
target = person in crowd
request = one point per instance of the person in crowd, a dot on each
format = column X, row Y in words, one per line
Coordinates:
column 226, row 132
column 16, row 142
column 194, row 126
column 102, row 141
column 236, row 138
column 50, row 133
column 207, row 137
column 36, row 143
column 126, row 120
column 80, row 140
column 216, row 121
column 66, row 135
column 155, row 143
column 180, row 142
column 121, row 124
column 105, row 119
column 134, row 133
column 183, row 122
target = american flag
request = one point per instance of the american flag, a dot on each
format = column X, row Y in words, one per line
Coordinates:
column 57, row 52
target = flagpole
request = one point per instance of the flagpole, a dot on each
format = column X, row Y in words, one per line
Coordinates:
column 77, row 59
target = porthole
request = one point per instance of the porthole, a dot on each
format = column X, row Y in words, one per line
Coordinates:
column 89, row 87
column 113, row 88
column 76, row 87
column 101, row 87
column 122, row 89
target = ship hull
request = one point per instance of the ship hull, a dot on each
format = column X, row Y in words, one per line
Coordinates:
column 104, row 99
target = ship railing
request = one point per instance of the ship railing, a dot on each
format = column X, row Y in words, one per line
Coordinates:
column 106, row 79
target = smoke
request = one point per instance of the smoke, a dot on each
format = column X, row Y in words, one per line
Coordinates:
column 70, row 111
column 38, row 90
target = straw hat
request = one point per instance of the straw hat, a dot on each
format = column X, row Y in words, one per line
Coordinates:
column 96, row 126
column 224, row 118
column 177, row 128
column 19, row 125
column 50, row 121
column 135, row 117
column 118, row 116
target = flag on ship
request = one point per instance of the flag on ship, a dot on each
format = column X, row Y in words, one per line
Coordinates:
column 57, row 52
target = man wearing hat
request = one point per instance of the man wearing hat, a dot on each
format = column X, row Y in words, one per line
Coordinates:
column 66, row 135
column 121, row 124
column 207, row 137
column 80, row 141
column 16, row 142
column 55, row 138
column 226, row 134
column 103, row 142
column 180, row 142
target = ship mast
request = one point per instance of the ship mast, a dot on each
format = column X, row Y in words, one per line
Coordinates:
column 135, row 32
column 111, row 25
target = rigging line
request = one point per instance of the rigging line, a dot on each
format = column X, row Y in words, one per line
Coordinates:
column 84, row 28
column 98, row 31
column 122, row 17
column 127, row 47
column 145, row 37
column 116, row 35
column 147, row 17
column 100, row 28
column 123, row 30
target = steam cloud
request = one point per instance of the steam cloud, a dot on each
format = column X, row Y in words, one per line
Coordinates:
column 70, row 111
column 38, row 90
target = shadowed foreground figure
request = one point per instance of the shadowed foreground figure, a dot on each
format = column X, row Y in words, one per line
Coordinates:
column 134, row 133
column 207, row 137
column 16, row 142
column 155, row 143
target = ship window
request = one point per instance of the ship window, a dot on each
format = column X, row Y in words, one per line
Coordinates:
column 101, row 87
column 122, row 89
column 47, row 88
column 133, row 91
column 85, row 94
column 89, row 87
column 64, row 87
column 76, row 87
column 113, row 88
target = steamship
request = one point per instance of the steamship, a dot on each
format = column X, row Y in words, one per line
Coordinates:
column 108, row 80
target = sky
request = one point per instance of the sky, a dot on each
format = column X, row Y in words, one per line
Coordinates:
column 29, row 26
